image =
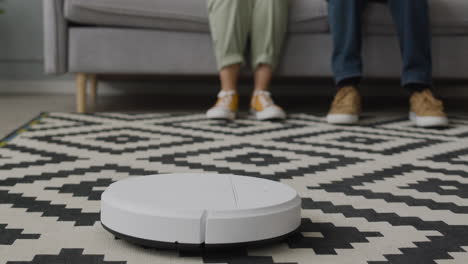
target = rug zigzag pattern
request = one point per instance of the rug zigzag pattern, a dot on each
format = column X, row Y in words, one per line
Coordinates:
column 382, row 192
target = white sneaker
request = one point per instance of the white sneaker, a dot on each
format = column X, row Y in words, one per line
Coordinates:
column 226, row 106
column 263, row 107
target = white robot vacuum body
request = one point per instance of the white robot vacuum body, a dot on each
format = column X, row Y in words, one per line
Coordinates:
column 199, row 210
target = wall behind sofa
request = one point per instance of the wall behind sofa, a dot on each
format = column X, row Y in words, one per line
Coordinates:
column 21, row 45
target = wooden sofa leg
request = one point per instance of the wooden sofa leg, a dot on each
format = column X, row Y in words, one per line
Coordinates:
column 81, row 83
column 93, row 86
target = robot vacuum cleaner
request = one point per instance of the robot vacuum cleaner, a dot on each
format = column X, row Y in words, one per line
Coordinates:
column 199, row 211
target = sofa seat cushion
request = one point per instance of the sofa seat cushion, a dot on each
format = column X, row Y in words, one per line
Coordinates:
column 308, row 16
column 449, row 17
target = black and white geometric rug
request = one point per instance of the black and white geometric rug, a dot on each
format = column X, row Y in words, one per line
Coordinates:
column 381, row 192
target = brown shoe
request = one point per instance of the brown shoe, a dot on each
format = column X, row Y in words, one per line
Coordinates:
column 426, row 110
column 346, row 107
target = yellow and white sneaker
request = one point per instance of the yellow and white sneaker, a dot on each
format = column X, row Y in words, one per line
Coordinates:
column 426, row 110
column 346, row 107
column 226, row 107
column 263, row 107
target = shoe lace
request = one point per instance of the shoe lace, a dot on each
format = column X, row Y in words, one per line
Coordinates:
column 225, row 98
column 265, row 98
column 427, row 101
column 340, row 98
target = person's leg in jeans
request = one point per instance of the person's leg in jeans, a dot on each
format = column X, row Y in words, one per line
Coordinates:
column 230, row 23
column 346, row 28
column 269, row 26
column 413, row 26
column 345, row 19
column 412, row 22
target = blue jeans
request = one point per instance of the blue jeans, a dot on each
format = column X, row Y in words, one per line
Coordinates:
column 413, row 26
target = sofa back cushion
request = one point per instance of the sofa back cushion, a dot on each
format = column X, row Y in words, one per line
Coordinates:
column 163, row 14
column 180, row 15
column 449, row 17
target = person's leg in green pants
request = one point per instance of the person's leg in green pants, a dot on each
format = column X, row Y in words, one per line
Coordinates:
column 233, row 23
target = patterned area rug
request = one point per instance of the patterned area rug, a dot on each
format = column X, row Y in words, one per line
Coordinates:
column 382, row 192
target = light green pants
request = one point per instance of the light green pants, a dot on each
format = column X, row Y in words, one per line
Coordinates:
column 232, row 22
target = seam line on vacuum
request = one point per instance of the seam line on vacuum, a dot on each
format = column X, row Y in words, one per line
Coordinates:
column 234, row 192
column 203, row 226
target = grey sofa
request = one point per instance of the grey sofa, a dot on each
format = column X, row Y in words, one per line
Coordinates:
column 164, row 37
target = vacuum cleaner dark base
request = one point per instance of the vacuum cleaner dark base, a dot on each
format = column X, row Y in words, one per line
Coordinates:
column 195, row 247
